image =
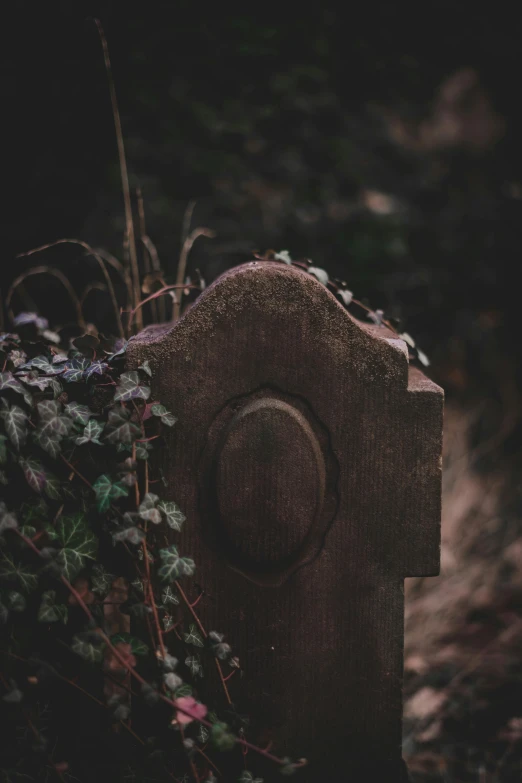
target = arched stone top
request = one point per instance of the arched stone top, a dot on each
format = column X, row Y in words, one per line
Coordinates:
column 266, row 289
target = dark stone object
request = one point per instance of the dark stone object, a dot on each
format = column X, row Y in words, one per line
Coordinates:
column 307, row 458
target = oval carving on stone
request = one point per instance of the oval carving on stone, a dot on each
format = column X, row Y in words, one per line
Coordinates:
column 268, row 485
column 270, row 481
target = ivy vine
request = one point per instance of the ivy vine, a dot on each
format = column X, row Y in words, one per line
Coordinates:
column 86, row 540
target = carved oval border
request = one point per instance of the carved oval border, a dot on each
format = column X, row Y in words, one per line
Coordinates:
column 213, row 529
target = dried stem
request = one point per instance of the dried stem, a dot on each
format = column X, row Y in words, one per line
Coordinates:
column 129, row 222
column 205, row 635
column 147, row 257
column 46, row 270
column 155, row 295
column 101, row 263
column 182, row 265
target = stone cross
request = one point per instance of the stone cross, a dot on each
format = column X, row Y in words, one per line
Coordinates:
column 307, row 459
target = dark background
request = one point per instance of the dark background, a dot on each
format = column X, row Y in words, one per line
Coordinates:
column 380, row 140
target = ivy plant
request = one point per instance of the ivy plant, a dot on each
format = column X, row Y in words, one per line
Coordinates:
column 94, row 593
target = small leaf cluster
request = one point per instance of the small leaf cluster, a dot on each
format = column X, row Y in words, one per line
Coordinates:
column 340, row 290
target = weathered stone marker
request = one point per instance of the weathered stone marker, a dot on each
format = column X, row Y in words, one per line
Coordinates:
column 307, row 458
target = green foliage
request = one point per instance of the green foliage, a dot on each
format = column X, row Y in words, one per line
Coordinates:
column 107, row 491
column 174, row 566
column 221, row 737
column 166, row 418
column 173, row 515
column 137, row 646
column 131, row 388
column 50, row 611
column 247, row 777
column 91, row 432
column 77, row 523
column 14, row 571
column 193, row 636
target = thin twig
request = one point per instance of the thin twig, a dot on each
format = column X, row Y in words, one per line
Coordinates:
column 147, row 258
column 46, row 270
column 129, row 222
column 205, row 635
column 101, row 263
column 182, row 265
column 162, row 292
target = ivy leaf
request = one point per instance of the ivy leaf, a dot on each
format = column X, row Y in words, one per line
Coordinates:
column 174, row 566
column 148, row 510
column 54, row 425
column 50, row 611
column 129, row 388
column 8, row 381
column 91, row 433
column 183, row 690
column 88, row 648
column 8, row 520
column 203, row 734
column 31, row 318
column 345, row 295
column 166, row 418
column 247, row 777
column 173, row 514
column 17, row 358
column 14, row 695
column 283, row 255
column 122, row 430
column 16, row 601
column 16, row 572
column 120, row 350
column 288, row 767
column 423, row 359
column 96, row 368
column 69, row 563
column 15, row 422
column 34, row 510
column 34, row 473
column 194, row 665
column 73, row 532
column 40, row 363
column 79, row 413
column 106, row 491
column 86, row 344
column 220, row 648
column 133, row 535
column 73, row 370
column 146, row 368
column 320, row 274
column 52, row 487
column 137, row 646
column 142, row 450
column 221, row 737
column 168, row 597
column 172, row 681
column 40, row 381
column 193, row 636
column 101, row 580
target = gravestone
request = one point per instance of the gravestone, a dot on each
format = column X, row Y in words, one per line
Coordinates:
column 307, row 459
